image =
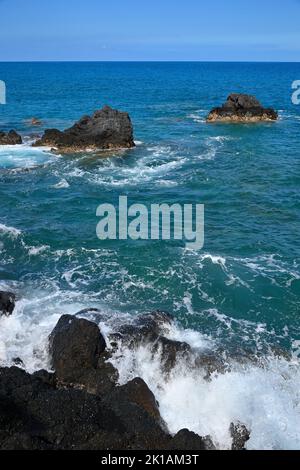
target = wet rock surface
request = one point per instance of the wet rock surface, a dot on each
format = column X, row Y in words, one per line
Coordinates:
column 187, row 439
column 240, row 436
column 7, row 303
column 81, row 405
column 10, row 138
column 242, row 108
column 75, row 343
column 106, row 129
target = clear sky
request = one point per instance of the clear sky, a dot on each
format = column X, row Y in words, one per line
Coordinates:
column 238, row 30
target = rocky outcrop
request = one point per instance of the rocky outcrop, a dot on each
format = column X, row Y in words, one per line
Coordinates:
column 138, row 392
column 34, row 122
column 77, row 349
column 240, row 436
column 10, row 138
column 153, row 330
column 242, row 108
column 106, row 129
column 75, row 343
column 53, row 411
column 186, row 439
column 7, row 303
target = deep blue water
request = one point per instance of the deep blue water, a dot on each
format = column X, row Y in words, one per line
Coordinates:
column 247, row 176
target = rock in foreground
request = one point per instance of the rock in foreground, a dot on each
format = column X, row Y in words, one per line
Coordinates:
column 75, row 408
column 106, row 129
column 7, row 303
column 10, row 138
column 242, row 108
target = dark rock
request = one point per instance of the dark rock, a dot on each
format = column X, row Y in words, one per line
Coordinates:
column 75, row 344
column 210, row 362
column 49, row 417
column 240, row 101
column 105, row 129
column 46, row 377
column 150, row 329
column 17, row 361
column 188, row 440
column 81, row 406
column 240, row 435
column 79, row 358
column 35, row 415
column 147, row 431
column 7, row 303
column 171, row 351
column 146, row 327
column 10, row 138
column 139, row 393
column 35, row 122
column 98, row 381
column 242, row 108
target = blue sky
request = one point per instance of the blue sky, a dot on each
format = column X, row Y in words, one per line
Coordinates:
column 237, row 30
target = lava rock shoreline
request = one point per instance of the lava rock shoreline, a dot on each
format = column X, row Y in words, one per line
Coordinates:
column 81, row 406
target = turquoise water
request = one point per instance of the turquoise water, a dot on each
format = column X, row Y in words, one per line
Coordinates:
column 241, row 291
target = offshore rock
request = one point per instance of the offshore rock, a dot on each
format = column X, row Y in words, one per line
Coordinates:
column 10, row 138
column 106, row 129
column 242, row 108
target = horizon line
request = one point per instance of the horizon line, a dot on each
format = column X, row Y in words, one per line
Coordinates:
column 154, row 61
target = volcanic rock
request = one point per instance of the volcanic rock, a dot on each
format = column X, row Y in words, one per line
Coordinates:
column 7, row 303
column 242, row 108
column 106, row 129
column 10, row 138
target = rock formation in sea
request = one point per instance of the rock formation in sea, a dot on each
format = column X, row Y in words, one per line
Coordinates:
column 242, row 108
column 106, row 129
column 7, row 303
column 10, row 138
column 80, row 405
column 34, row 122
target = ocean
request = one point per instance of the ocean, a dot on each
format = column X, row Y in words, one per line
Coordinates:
column 240, row 293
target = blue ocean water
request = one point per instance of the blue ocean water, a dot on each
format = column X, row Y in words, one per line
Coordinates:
column 241, row 291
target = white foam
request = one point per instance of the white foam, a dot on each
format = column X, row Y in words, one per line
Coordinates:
column 198, row 116
column 23, row 156
column 37, row 250
column 10, row 231
column 264, row 398
column 25, row 333
column 62, row 184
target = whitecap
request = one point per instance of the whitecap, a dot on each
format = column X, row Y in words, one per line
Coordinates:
column 37, row 250
column 63, row 184
column 22, row 156
column 10, row 231
column 264, row 397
